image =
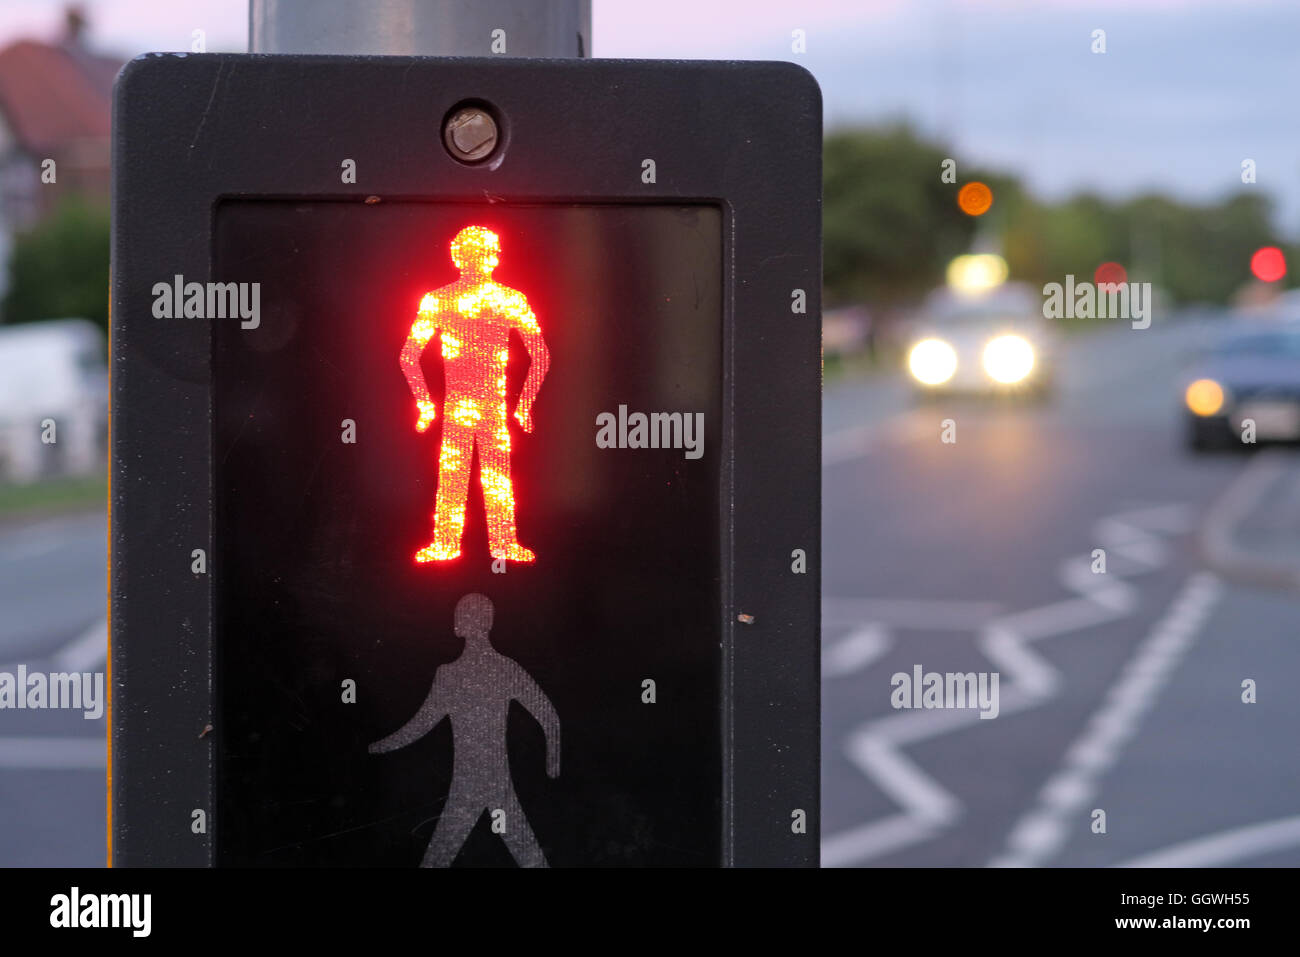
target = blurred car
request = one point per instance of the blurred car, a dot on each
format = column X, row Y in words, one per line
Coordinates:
column 1252, row 372
column 994, row 342
column 1261, row 302
column 53, row 399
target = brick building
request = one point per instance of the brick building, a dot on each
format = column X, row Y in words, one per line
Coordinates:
column 55, row 103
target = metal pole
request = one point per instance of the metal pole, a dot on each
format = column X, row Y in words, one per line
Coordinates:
column 525, row 28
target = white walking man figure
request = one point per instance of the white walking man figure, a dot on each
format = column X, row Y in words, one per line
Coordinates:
column 475, row 692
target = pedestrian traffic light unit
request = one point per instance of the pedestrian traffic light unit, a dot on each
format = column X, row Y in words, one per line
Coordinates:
column 465, row 470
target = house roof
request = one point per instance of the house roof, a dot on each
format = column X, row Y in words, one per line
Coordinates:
column 52, row 96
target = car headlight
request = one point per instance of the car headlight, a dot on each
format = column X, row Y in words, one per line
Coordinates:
column 1008, row 359
column 932, row 361
column 1204, row 397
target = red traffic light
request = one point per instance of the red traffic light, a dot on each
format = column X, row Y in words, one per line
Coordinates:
column 1268, row 264
column 1109, row 274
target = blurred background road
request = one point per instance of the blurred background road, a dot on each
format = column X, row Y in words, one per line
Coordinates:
column 977, row 556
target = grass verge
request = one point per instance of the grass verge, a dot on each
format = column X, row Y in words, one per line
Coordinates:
column 53, row 495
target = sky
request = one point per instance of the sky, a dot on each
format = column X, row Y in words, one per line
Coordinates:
column 1186, row 90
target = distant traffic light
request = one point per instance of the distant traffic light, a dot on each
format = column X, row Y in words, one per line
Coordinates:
column 1109, row 274
column 1268, row 264
column 975, row 199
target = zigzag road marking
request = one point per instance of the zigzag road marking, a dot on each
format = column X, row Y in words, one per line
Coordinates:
column 856, row 652
column 85, row 652
column 869, row 637
column 1044, row 829
column 1027, row 679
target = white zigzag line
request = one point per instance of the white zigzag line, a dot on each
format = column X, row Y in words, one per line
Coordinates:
column 874, row 747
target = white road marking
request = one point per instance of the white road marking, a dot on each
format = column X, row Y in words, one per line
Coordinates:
column 1072, row 614
column 1044, row 830
column 1030, row 675
column 902, row 780
column 85, row 652
column 1172, row 519
column 53, row 754
column 1226, row 847
column 856, row 651
column 1107, row 590
column 1232, row 507
column 1027, row 679
column 875, row 839
column 908, row 613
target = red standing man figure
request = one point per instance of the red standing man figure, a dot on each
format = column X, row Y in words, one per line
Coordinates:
column 472, row 318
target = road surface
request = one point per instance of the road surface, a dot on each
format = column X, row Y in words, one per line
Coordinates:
column 1120, row 692
column 52, row 797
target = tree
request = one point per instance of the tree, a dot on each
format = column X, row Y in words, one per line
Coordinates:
column 59, row 268
column 891, row 225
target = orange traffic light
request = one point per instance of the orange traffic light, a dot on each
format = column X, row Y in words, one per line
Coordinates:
column 975, row 199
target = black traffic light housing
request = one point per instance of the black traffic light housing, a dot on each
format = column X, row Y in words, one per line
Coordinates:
column 260, row 561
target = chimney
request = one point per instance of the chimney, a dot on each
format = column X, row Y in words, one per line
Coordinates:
column 74, row 25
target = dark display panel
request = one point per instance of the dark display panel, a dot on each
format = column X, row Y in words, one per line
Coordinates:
column 330, row 632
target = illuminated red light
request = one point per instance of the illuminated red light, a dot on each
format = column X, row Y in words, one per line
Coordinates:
column 473, row 317
column 1268, row 264
column 1109, row 274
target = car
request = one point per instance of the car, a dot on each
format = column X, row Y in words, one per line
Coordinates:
column 994, row 343
column 1247, row 383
